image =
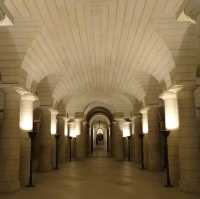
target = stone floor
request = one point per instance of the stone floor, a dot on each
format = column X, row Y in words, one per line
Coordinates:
column 100, row 178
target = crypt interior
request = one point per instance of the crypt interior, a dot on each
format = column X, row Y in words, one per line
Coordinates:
column 100, row 99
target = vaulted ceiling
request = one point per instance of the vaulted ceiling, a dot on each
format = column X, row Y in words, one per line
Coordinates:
column 83, row 47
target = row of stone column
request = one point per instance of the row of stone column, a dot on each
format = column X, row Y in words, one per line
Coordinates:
column 15, row 142
column 183, row 141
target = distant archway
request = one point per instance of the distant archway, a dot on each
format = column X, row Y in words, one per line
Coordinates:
column 96, row 111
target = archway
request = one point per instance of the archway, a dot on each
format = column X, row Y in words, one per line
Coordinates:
column 100, row 134
column 96, row 118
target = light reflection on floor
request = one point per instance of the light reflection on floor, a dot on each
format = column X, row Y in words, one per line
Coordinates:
column 99, row 178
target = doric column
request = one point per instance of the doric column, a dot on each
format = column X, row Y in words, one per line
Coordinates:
column 145, row 130
column 45, row 146
column 137, row 129
column 172, row 124
column 154, row 139
column 117, row 141
column 132, row 141
column 26, row 125
column 89, row 139
column 73, row 135
column 62, row 139
column 109, row 139
column 67, row 128
column 81, row 147
column 112, row 139
column 126, row 126
column 54, row 138
column 10, row 142
column 189, row 144
column 87, row 129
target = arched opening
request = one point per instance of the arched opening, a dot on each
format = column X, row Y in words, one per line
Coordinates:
column 100, row 134
column 99, row 131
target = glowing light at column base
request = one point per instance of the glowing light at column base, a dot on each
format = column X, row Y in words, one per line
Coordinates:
column 53, row 121
column 171, row 110
column 66, row 130
column 26, row 112
column 126, row 130
column 75, row 129
column 145, row 126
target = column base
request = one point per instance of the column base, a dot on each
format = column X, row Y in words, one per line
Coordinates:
column 9, row 186
column 189, row 187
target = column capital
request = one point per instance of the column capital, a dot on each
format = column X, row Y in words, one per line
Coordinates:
column 176, row 88
column 53, row 111
column 85, row 122
column 62, row 117
column 11, row 88
column 66, row 119
column 78, row 120
column 144, row 110
column 24, row 93
column 136, row 117
column 29, row 97
column 168, row 95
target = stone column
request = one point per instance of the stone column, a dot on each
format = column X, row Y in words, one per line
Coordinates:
column 45, row 145
column 67, row 128
column 81, row 146
column 89, row 140
column 172, row 124
column 131, row 142
column 173, row 155
column 108, row 140
column 73, row 135
column 154, row 139
column 10, row 143
column 62, row 139
column 24, row 157
column 137, row 142
column 54, row 132
column 145, row 130
column 112, row 139
column 146, row 151
column 117, row 141
column 26, row 125
column 189, row 142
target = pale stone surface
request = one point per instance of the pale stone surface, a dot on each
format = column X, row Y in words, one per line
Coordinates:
column 66, row 149
column 112, row 140
column 99, row 178
column 45, row 139
column 137, row 140
column 81, row 147
column 117, row 141
column 173, row 151
column 53, row 151
column 154, row 141
column 10, row 143
column 24, row 157
column 73, row 148
column 189, row 142
column 61, row 141
column 146, row 150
